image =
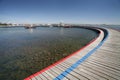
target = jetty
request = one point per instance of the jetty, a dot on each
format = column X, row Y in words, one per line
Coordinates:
column 98, row 60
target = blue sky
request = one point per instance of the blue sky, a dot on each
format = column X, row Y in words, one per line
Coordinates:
column 54, row 11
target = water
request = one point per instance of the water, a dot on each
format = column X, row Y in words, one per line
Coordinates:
column 26, row 51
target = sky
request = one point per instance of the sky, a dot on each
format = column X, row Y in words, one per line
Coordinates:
column 55, row 11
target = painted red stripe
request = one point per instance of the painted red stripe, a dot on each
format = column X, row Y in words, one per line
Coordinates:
column 61, row 60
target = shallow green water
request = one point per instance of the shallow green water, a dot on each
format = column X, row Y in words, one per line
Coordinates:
column 26, row 51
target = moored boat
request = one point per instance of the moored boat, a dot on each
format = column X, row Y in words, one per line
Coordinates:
column 29, row 26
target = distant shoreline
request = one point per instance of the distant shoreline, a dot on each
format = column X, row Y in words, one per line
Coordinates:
column 10, row 26
column 115, row 27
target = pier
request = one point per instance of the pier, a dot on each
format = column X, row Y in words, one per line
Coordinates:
column 98, row 60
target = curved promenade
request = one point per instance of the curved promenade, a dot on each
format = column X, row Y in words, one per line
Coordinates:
column 99, row 60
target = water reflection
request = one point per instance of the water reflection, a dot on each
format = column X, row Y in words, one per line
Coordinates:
column 61, row 31
column 30, row 30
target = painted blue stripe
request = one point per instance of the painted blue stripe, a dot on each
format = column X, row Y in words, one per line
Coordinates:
column 71, row 68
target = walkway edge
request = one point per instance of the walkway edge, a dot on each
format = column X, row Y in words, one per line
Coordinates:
column 71, row 68
column 43, row 70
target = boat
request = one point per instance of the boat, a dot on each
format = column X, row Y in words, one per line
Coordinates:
column 29, row 26
column 67, row 26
